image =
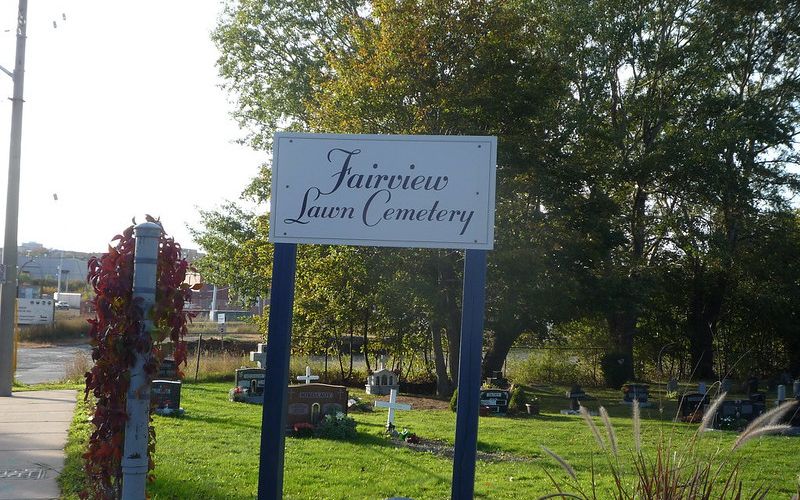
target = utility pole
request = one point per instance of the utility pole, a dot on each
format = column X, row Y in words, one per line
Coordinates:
column 8, row 286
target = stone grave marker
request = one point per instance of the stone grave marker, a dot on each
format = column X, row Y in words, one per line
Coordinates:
column 692, row 405
column 249, row 386
column 495, row 399
column 781, row 394
column 640, row 392
column 672, row 385
column 726, row 385
column 165, row 395
column 796, row 389
column 727, row 413
column 575, row 395
column 751, row 386
column 701, row 388
column 746, row 410
column 307, row 378
column 393, row 405
column 308, row 403
column 167, row 370
column 260, row 356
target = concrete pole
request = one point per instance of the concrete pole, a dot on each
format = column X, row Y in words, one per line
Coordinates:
column 134, row 457
column 8, row 292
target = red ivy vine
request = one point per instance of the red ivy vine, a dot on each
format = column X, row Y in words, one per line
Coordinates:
column 115, row 339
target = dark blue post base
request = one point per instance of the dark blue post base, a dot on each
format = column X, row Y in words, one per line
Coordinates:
column 273, row 422
column 469, row 375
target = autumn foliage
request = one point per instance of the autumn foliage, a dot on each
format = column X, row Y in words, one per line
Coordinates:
column 116, row 337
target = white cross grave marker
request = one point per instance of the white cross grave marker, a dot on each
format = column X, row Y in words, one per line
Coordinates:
column 308, row 377
column 259, row 356
column 392, row 405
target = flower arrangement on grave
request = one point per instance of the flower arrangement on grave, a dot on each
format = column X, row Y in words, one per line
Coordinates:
column 236, row 394
column 303, row 429
column 115, row 339
column 408, row 436
column 336, row 426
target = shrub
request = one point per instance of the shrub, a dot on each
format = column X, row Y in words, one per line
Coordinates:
column 551, row 367
column 454, row 401
column 517, row 401
column 615, row 366
column 338, row 426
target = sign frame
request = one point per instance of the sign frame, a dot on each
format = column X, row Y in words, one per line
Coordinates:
column 435, row 156
column 275, row 398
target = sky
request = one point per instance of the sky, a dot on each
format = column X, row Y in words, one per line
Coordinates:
column 123, row 116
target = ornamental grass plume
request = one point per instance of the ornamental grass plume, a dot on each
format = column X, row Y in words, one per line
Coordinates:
column 766, row 423
column 672, row 473
column 711, row 412
column 595, row 432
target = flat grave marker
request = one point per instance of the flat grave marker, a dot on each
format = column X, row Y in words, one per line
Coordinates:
column 495, row 399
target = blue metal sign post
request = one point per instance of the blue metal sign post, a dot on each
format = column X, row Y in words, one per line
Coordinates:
column 469, row 375
column 273, row 420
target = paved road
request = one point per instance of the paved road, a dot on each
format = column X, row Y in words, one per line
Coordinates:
column 36, row 365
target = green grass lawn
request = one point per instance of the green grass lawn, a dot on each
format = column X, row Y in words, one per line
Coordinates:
column 213, row 452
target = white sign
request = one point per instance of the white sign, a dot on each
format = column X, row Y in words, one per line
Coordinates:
column 384, row 190
column 220, row 317
column 35, row 311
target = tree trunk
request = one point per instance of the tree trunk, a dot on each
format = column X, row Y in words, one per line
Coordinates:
column 366, row 356
column 443, row 385
column 702, row 317
column 497, row 353
column 622, row 329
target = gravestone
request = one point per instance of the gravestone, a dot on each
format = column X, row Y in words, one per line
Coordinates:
column 751, row 386
column 249, row 386
column 726, row 385
column 747, row 411
column 496, row 400
column 692, row 405
column 167, row 370
column 640, row 392
column 165, row 396
column 701, row 388
column 393, row 405
column 727, row 414
column 575, row 395
column 758, row 397
column 781, row 394
column 260, row 356
column 308, row 403
column 382, row 381
column 796, row 389
column 672, row 385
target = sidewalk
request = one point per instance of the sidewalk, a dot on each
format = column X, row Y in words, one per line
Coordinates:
column 33, row 431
